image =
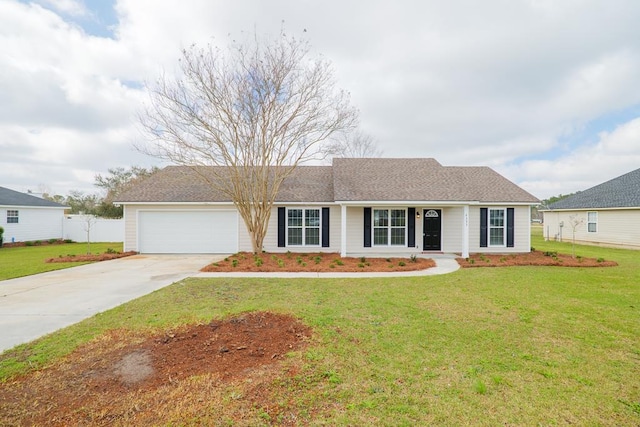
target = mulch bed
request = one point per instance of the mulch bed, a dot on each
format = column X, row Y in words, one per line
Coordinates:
column 35, row 243
column 536, row 258
column 315, row 262
column 125, row 378
column 91, row 258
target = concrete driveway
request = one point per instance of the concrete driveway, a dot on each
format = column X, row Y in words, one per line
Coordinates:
column 33, row 306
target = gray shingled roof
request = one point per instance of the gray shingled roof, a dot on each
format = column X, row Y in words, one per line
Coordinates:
column 421, row 179
column 349, row 180
column 620, row 192
column 16, row 198
column 182, row 184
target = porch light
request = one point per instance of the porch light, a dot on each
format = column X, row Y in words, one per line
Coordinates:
column 417, row 214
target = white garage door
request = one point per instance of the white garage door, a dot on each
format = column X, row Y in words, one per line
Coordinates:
column 187, row 232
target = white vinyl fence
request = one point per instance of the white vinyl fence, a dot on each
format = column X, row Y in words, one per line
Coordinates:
column 74, row 227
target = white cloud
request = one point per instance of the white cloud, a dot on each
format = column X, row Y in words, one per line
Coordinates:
column 467, row 82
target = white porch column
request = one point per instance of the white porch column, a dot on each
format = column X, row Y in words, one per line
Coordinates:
column 343, row 231
column 465, row 231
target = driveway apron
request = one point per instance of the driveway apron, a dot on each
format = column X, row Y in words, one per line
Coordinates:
column 33, row 306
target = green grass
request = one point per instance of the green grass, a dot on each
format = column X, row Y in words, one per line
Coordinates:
column 492, row 346
column 28, row 260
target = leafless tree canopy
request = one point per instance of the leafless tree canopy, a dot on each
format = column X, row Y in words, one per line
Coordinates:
column 258, row 108
column 356, row 144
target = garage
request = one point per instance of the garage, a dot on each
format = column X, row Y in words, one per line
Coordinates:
column 187, row 232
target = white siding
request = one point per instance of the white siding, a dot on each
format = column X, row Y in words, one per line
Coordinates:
column 522, row 231
column 615, row 227
column 33, row 224
column 271, row 240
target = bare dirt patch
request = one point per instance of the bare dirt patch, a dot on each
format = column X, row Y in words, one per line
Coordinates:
column 124, row 378
column 315, row 262
column 537, row 258
column 91, row 258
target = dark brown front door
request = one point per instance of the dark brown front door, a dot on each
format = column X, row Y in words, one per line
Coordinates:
column 431, row 230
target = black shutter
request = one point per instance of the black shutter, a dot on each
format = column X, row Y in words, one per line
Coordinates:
column 510, row 221
column 367, row 228
column 484, row 213
column 411, row 227
column 282, row 227
column 325, row 227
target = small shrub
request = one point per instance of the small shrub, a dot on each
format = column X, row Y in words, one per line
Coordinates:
column 579, row 258
column 552, row 254
column 413, row 258
column 361, row 265
column 226, row 259
column 600, row 259
column 317, row 259
column 339, row 262
column 215, row 264
column 402, row 264
column 503, row 259
column 38, row 242
column 68, row 241
column 304, row 264
column 367, row 264
column 274, row 258
column 299, row 260
column 362, row 259
column 258, row 261
column 472, row 261
column 110, row 251
column 52, row 241
column 390, row 266
column 388, row 259
column 280, row 263
column 29, row 243
column 234, row 263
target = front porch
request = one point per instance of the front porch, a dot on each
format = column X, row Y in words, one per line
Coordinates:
column 424, row 229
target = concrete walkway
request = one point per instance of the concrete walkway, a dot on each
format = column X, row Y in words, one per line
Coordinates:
column 33, row 306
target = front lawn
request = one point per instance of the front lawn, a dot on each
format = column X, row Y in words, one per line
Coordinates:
column 27, row 260
column 493, row 346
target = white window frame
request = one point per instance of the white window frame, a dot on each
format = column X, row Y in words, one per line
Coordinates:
column 389, row 227
column 593, row 222
column 13, row 214
column 503, row 227
column 305, row 227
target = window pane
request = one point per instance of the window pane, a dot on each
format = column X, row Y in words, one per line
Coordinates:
column 380, row 236
column 496, row 236
column 295, row 236
column 592, row 227
column 312, row 218
column 398, row 217
column 295, row 217
column 592, row 216
column 397, row 236
column 380, row 218
column 496, row 217
column 312, row 236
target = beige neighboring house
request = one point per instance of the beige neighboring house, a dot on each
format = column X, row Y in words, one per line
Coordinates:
column 370, row 207
column 607, row 214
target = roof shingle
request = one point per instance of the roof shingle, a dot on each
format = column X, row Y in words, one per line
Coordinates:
column 388, row 180
column 620, row 192
column 15, row 198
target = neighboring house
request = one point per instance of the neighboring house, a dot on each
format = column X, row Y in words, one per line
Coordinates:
column 356, row 207
column 609, row 212
column 25, row 217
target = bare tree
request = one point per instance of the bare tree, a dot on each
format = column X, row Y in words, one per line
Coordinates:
column 259, row 109
column 575, row 222
column 356, row 144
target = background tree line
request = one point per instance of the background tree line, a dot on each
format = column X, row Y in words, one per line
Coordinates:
column 113, row 183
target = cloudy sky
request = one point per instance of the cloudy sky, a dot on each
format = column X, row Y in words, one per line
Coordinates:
column 547, row 92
